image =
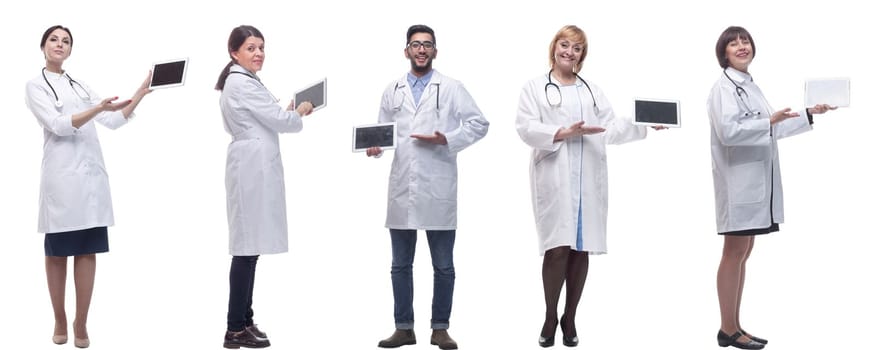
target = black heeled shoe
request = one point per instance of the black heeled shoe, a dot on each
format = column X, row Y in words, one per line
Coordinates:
column 566, row 340
column 725, row 340
column 756, row 339
column 546, row 342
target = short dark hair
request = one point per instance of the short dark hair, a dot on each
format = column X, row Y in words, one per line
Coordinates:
column 235, row 41
column 729, row 35
column 42, row 43
column 420, row 28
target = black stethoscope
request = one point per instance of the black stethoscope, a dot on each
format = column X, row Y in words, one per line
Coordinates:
column 259, row 82
column 437, row 101
column 554, row 96
column 58, row 102
column 740, row 90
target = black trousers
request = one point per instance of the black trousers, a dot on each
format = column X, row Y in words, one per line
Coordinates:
column 242, row 283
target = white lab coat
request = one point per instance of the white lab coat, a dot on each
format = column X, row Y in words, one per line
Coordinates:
column 744, row 154
column 422, row 183
column 74, row 187
column 569, row 179
column 254, row 182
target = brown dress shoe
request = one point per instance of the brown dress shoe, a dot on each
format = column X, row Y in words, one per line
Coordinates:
column 401, row 337
column 244, row 338
column 442, row 339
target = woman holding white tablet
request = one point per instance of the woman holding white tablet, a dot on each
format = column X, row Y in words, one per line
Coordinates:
column 568, row 121
column 747, row 174
column 75, row 206
column 256, row 199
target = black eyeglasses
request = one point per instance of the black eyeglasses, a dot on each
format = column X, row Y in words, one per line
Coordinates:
column 428, row 45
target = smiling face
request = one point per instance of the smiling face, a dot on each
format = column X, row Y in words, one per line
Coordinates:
column 739, row 53
column 567, row 54
column 250, row 55
column 421, row 52
column 57, row 47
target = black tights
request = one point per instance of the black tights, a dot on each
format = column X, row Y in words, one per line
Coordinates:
column 563, row 266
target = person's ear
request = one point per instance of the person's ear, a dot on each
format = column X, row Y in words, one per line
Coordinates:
column 406, row 53
column 434, row 54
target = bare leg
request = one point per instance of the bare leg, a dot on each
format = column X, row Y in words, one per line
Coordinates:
column 553, row 272
column 730, row 281
column 56, row 275
column 578, row 267
column 84, row 267
column 741, row 285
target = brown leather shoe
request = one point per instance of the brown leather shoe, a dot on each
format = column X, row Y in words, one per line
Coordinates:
column 256, row 332
column 244, row 338
column 442, row 339
column 401, row 337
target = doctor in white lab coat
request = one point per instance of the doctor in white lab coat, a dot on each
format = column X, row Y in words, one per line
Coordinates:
column 254, row 182
column 568, row 121
column 747, row 174
column 75, row 207
column 436, row 119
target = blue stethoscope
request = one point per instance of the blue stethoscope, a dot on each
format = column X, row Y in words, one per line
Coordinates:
column 554, row 96
column 740, row 90
column 437, row 101
column 58, row 102
column 259, row 82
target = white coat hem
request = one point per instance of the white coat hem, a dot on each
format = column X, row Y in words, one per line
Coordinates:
column 41, row 230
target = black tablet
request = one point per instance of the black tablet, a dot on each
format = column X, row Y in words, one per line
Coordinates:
column 381, row 135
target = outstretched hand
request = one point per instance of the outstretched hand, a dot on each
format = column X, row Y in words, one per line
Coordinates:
column 437, row 138
column 107, row 104
column 577, row 129
column 782, row 115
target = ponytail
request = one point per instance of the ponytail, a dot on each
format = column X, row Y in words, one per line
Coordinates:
column 220, row 84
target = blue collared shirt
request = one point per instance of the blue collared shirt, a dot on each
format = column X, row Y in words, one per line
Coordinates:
column 418, row 84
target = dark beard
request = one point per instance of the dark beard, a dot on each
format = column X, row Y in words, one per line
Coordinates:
column 418, row 69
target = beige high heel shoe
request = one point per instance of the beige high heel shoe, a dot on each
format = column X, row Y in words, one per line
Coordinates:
column 59, row 339
column 81, row 343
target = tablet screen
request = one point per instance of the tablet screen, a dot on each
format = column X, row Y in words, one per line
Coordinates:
column 657, row 112
column 168, row 74
column 374, row 135
column 315, row 94
column 833, row 92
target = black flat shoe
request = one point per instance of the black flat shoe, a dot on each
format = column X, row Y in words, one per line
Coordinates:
column 566, row 340
column 725, row 340
column 756, row 339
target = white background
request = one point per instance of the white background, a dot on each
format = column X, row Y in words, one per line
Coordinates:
column 164, row 282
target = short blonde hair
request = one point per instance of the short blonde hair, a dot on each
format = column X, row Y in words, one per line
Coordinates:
column 571, row 33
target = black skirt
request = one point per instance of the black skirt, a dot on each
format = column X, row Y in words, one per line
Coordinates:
column 753, row 231
column 82, row 242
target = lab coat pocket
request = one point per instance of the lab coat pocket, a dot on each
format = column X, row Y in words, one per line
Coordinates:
column 442, row 187
column 747, row 183
column 542, row 155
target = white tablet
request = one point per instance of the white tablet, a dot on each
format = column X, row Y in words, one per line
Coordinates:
column 168, row 73
column 834, row 92
column 316, row 93
column 381, row 135
column 657, row 112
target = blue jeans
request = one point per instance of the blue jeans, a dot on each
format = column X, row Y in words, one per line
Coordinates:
column 403, row 249
column 242, row 283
